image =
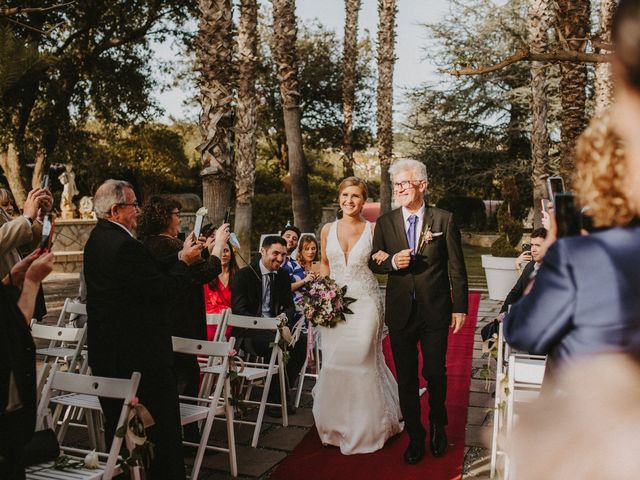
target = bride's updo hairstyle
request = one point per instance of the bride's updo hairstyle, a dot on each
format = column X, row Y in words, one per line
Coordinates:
column 354, row 182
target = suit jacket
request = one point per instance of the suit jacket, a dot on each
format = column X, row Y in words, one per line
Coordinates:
column 434, row 274
column 517, row 292
column 128, row 293
column 585, row 298
column 246, row 292
column 187, row 313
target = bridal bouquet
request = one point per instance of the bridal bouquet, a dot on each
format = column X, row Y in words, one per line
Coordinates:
column 325, row 303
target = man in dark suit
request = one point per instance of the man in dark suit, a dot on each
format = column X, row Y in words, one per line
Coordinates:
column 127, row 292
column 537, row 254
column 263, row 289
column 425, row 261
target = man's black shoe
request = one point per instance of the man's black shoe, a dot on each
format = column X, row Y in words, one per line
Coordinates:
column 414, row 452
column 437, row 440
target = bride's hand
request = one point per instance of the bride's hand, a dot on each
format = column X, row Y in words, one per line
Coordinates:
column 379, row 257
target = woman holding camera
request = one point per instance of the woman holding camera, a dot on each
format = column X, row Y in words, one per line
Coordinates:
column 585, row 297
column 158, row 227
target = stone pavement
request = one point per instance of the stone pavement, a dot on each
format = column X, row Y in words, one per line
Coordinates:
column 276, row 441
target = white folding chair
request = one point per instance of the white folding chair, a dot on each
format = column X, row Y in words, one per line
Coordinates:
column 71, row 307
column 218, row 320
column 499, row 407
column 116, row 388
column 525, row 376
column 65, row 343
column 311, row 330
column 204, row 408
column 259, row 372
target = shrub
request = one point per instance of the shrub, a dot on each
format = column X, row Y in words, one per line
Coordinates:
column 469, row 212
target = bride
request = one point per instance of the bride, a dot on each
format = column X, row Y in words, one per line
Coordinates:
column 355, row 399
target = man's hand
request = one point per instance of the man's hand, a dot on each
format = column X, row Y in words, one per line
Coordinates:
column 39, row 268
column 19, row 270
column 190, row 252
column 457, row 321
column 523, row 259
column 402, row 259
column 380, row 257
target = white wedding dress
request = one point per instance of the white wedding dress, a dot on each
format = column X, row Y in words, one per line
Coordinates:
column 355, row 402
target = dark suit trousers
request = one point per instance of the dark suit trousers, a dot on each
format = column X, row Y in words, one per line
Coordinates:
column 404, row 344
column 157, row 392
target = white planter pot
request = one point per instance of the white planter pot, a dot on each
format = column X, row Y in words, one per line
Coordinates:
column 501, row 275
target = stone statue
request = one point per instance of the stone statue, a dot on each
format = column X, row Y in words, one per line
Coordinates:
column 68, row 179
column 86, row 208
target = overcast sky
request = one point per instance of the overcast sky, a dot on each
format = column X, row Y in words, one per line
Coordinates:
column 411, row 67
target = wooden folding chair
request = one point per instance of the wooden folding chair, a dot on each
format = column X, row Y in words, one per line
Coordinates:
column 116, row 388
column 205, row 407
column 260, row 372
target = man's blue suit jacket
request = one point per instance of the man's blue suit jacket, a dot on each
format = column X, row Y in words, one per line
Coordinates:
column 586, row 298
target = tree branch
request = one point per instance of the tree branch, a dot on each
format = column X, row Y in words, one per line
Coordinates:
column 8, row 11
column 524, row 54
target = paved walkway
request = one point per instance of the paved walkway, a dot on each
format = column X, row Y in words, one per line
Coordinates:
column 276, row 441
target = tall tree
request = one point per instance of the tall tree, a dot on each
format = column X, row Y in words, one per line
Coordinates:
column 540, row 17
column 603, row 83
column 96, row 65
column 285, row 32
column 215, row 45
column 246, row 122
column 386, row 59
column 573, row 28
column 349, row 60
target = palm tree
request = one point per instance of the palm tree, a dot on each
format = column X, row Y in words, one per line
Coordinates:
column 215, row 54
column 349, row 57
column 603, row 85
column 574, row 25
column 285, row 33
column 540, row 17
column 386, row 58
column 246, row 122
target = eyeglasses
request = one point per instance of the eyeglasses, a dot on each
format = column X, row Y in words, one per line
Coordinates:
column 132, row 204
column 403, row 185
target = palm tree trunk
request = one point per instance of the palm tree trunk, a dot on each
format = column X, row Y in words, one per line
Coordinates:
column 603, row 84
column 285, row 32
column 350, row 56
column 246, row 122
column 386, row 58
column 11, row 167
column 574, row 25
column 539, row 21
column 215, row 55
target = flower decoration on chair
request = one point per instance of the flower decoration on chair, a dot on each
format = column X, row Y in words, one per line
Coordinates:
column 141, row 450
column 326, row 303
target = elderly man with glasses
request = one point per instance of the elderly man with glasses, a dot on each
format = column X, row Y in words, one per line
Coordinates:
column 425, row 267
column 128, row 293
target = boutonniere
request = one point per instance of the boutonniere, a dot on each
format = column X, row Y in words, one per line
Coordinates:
column 425, row 237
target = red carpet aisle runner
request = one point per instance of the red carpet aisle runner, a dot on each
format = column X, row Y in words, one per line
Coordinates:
column 311, row 461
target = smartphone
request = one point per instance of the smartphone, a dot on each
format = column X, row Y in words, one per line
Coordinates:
column 568, row 217
column 227, row 216
column 47, row 234
column 555, row 185
column 200, row 214
column 526, row 247
column 45, row 181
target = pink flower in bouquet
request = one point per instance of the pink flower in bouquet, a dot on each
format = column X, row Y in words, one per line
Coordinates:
column 332, row 294
column 134, row 402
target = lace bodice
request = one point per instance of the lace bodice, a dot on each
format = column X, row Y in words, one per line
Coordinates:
column 353, row 271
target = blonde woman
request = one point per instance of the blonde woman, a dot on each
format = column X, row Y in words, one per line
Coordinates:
column 355, row 403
